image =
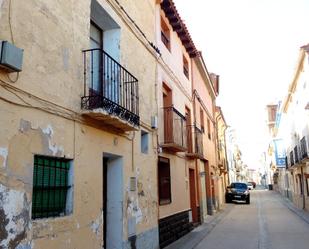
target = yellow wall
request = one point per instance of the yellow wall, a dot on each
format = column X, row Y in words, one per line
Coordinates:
column 52, row 35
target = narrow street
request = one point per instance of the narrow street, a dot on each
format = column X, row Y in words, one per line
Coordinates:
column 264, row 224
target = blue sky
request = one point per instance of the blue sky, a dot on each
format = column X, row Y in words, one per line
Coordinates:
column 253, row 45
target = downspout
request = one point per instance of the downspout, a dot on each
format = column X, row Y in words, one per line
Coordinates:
column 195, row 160
column 226, row 161
column 303, row 183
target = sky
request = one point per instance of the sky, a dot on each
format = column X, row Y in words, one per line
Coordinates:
column 254, row 46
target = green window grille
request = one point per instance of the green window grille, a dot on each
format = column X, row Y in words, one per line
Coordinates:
column 50, row 186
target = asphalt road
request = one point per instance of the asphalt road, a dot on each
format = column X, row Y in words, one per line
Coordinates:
column 264, row 224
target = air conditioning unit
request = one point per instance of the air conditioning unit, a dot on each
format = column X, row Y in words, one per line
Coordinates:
column 11, row 57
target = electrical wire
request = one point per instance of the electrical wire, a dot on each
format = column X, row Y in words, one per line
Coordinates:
column 60, row 113
column 10, row 21
column 47, row 107
column 10, row 79
column 159, row 58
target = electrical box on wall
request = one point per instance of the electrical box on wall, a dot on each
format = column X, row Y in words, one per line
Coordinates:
column 133, row 183
column 11, row 57
column 154, row 122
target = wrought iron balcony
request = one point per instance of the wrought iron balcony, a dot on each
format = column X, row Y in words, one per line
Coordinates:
column 110, row 91
column 303, row 148
column 175, row 134
column 195, row 144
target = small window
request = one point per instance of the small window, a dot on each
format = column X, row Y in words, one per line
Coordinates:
column 164, row 181
column 208, row 129
column 185, row 66
column 144, row 142
column 165, row 34
column 272, row 113
column 202, row 120
column 52, row 187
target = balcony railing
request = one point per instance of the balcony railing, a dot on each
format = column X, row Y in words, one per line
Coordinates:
column 303, row 148
column 296, row 157
column 175, row 135
column 291, row 158
column 110, row 87
column 195, row 149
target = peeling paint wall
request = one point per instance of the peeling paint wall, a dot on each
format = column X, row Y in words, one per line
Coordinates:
column 3, row 156
column 14, row 217
column 53, row 71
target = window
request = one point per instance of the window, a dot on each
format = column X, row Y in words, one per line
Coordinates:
column 239, row 185
column 202, row 120
column 164, row 181
column 144, row 142
column 52, row 187
column 272, row 113
column 185, row 66
column 165, row 34
column 96, row 41
column 208, row 129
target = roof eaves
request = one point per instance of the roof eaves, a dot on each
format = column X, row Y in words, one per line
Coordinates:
column 169, row 8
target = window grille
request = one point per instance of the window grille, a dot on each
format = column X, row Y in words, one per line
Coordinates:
column 50, row 186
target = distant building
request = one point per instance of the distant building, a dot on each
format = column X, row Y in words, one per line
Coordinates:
column 292, row 136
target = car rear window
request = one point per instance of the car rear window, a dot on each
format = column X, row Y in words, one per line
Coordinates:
column 239, row 185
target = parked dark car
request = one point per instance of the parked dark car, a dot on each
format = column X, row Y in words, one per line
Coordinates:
column 237, row 191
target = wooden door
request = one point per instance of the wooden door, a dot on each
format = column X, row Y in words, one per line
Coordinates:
column 193, row 195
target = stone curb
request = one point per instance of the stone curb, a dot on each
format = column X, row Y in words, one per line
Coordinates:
column 190, row 240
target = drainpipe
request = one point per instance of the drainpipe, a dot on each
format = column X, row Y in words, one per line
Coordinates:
column 303, row 183
column 226, row 161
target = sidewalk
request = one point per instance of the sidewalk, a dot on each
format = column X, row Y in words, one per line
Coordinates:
column 290, row 205
column 191, row 239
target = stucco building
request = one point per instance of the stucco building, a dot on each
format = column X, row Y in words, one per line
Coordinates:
column 174, row 116
column 222, row 154
column 108, row 132
column 78, row 154
column 187, row 163
column 293, row 130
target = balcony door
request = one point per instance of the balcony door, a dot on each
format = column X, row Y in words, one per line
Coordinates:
column 96, row 42
column 168, row 114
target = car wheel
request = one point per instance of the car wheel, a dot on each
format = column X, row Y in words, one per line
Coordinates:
column 227, row 199
column 248, row 200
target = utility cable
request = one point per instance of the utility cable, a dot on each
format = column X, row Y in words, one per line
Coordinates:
column 10, row 21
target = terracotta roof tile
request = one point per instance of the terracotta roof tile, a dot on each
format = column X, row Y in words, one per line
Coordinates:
column 169, row 8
